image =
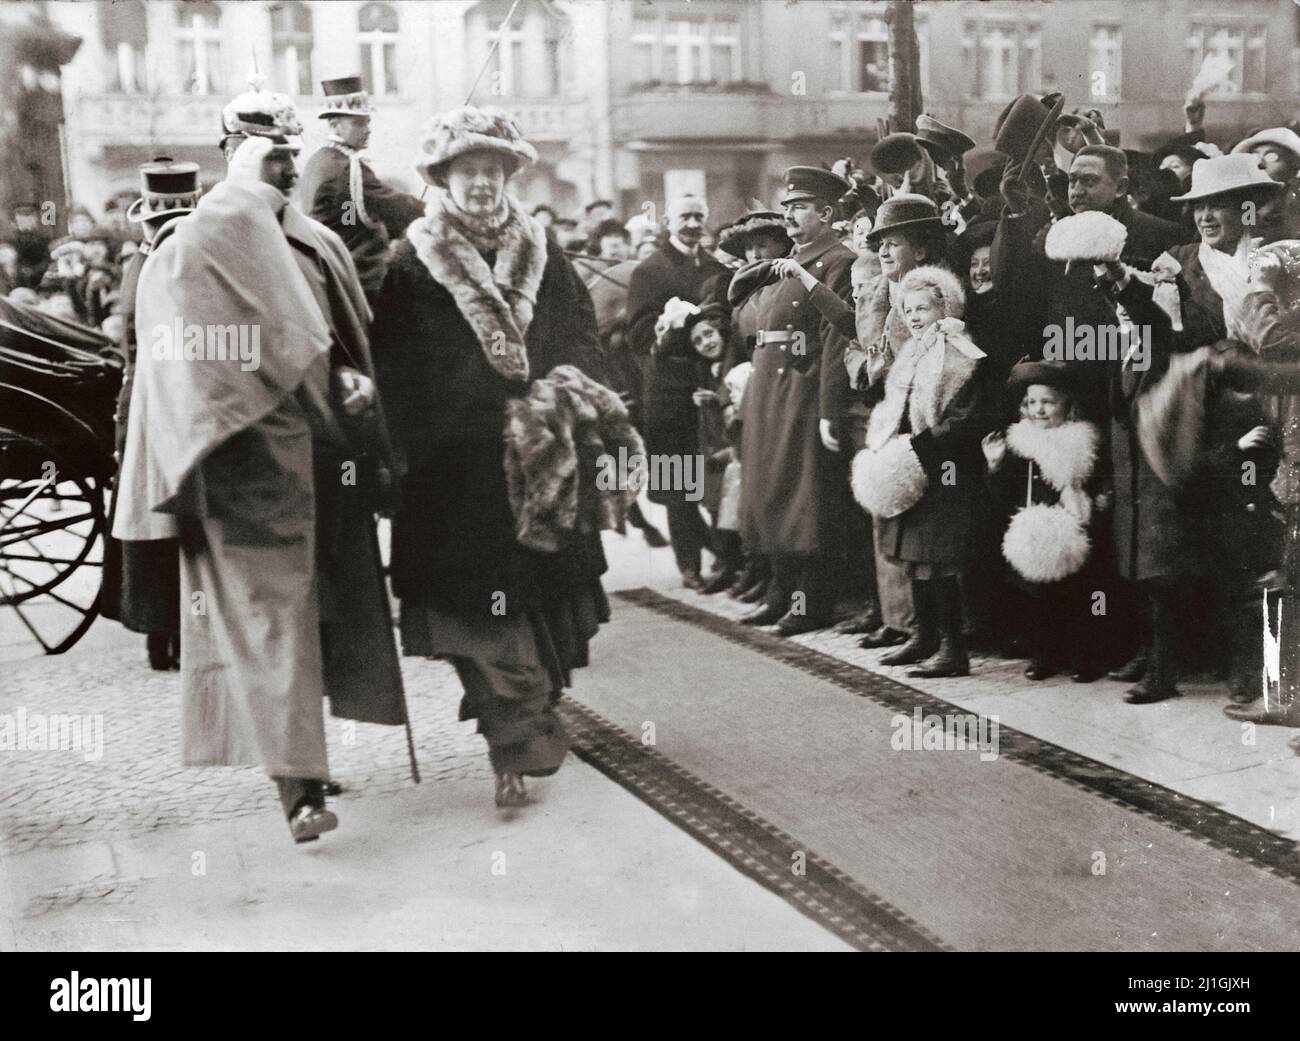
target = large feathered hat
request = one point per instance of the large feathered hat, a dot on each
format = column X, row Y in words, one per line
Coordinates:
column 470, row 129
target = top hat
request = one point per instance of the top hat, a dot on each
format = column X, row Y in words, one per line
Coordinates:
column 345, row 96
column 262, row 113
column 1024, row 123
column 904, row 211
column 1226, row 173
column 895, row 153
column 735, row 237
column 168, row 187
column 939, row 140
column 813, row 182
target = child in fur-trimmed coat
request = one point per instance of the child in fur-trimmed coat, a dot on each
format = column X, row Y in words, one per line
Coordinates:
column 920, row 471
column 1044, row 479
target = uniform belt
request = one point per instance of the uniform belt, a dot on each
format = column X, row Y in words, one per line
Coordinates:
column 773, row 336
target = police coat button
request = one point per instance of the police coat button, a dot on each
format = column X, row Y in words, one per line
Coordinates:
column 818, row 264
column 794, row 303
column 780, row 372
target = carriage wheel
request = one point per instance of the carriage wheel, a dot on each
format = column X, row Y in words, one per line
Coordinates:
column 51, row 543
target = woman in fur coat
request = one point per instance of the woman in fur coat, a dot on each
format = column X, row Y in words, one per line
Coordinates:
column 1046, row 485
column 477, row 305
column 921, row 469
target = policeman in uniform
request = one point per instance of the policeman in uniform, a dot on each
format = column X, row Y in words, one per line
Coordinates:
column 795, row 498
column 341, row 191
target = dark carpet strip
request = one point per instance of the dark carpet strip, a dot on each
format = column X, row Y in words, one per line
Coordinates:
column 1217, row 828
column 750, row 844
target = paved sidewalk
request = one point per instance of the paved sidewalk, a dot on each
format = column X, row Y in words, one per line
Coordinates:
column 132, row 851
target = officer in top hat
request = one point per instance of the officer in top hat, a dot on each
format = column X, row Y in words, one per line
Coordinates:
column 341, row 191
column 141, row 587
column 795, row 492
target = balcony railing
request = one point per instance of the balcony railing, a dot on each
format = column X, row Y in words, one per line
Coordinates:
column 147, row 118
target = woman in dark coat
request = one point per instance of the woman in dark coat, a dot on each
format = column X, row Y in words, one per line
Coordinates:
column 477, row 305
column 1241, row 534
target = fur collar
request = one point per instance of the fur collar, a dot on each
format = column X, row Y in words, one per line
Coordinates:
column 881, row 328
column 923, row 381
column 497, row 302
column 1065, row 455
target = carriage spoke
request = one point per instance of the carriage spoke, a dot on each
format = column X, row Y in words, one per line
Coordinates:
column 12, row 536
column 43, row 559
column 30, row 628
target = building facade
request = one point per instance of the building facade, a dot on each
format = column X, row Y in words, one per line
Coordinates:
column 634, row 100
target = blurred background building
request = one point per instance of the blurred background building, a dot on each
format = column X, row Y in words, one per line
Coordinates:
column 634, row 99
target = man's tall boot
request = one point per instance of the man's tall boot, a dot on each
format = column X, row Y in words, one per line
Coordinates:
column 925, row 640
column 951, row 658
column 1158, row 682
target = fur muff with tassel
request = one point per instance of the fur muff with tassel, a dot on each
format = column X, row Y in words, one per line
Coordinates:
column 888, row 481
column 1047, row 542
column 552, row 437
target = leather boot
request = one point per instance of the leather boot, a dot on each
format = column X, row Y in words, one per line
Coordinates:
column 951, row 658
column 925, row 640
column 1132, row 670
column 1158, row 682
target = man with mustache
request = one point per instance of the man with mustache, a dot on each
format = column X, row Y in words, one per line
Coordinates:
column 678, row 268
column 795, row 504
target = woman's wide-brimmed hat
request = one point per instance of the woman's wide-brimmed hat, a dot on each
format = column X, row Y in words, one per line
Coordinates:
column 1029, row 371
column 717, row 315
column 1226, row 174
column 1024, row 124
column 984, row 168
column 1279, row 137
column 470, row 129
column 905, row 211
column 737, row 236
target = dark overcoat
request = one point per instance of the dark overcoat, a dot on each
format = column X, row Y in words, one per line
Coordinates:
column 795, row 496
column 326, row 195
column 672, row 374
column 454, row 544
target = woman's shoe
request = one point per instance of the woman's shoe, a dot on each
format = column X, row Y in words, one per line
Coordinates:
column 309, row 823
column 864, row 621
column 754, row 593
column 1038, row 670
column 510, row 790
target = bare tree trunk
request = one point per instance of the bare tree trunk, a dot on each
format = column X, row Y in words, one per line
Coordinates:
column 905, row 67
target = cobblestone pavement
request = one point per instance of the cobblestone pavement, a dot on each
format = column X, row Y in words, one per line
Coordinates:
column 50, row 798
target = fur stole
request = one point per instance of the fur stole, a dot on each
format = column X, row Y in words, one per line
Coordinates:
column 882, row 332
column 1064, row 455
column 497, row 302
column 925, row 377
column 552, row 492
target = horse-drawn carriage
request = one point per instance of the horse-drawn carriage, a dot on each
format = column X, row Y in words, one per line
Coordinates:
column 58, row 389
